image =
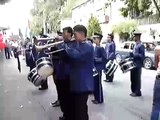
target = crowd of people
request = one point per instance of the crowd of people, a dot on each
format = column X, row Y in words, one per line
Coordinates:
column 73, row 68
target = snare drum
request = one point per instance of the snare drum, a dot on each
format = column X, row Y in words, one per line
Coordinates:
column 95, row 72
column 35, row 78
column 110, row 67
column 44, row 66
column 127, row 65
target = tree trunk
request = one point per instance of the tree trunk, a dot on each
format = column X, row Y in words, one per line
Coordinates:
column 155, row 3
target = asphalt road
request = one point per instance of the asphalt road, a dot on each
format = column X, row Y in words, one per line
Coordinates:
column 20, row 100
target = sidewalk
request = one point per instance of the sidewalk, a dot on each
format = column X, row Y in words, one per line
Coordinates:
column 20, row 100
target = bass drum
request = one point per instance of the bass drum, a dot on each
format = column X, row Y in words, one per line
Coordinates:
column 110, row 67
column 35, row 78
column 44, row 67
column 127, row 65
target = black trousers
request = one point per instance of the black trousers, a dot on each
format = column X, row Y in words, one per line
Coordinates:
column 78, row 106
column 64, row 96
column 45, row 84
column 55, row 82
column 136, row 80
column 7, row 53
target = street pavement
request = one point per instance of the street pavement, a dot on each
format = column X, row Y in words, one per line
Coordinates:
column 20, row 100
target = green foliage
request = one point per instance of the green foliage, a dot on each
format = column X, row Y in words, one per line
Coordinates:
column 48, row 10
column 2, row 2
column 54, row 20
column 124, row 12
column 136, row 8
column 67, row 9
column 93, row 26
column 124, row 29
column 36, row 25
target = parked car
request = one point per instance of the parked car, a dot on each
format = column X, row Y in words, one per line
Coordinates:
column 127, row 47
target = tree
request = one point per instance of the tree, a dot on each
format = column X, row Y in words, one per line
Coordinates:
column 2, row 2
column 136, row 8
column 20, row 33
column 67, row 8
column 124, row 29
column 54, row 20
column 48, row 11
column 156, row 5
column 36, row 25
column 93, row 26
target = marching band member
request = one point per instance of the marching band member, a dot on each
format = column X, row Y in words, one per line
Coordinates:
column 110, row 49
column 156, row 94
column 138, row 55
column 81, row 62
column 44, row 86
column 63, row 72
column 55, row 60
column 99, row 62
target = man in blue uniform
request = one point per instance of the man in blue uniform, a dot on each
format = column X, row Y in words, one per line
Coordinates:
column 44, row 86
column 138, row 55
column 99, row 63
column 55, row 60
column 32, row 54
column 110, row 49
column 155, row 115
column 81, row 73
column 61, row 74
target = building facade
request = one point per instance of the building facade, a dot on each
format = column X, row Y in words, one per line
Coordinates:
column 107, row 16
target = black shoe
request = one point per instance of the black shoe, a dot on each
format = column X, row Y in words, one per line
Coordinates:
column 96, row 102
column 56, row 104
column 43, row 88
column 61, row 118
column 135, row 94
column 107, row 81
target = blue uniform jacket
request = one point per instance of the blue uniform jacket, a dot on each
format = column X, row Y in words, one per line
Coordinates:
column 81, row 66
column 31, row 56
column 138, row 54
column 110, row 50
column 99, row 58
column 41, row 53
column 60, row 63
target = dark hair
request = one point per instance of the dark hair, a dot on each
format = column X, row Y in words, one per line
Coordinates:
column 69, row 30
column 89, row 39
column 80, row 28
column 111, row 35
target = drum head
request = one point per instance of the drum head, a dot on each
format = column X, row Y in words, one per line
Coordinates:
column 45, row 70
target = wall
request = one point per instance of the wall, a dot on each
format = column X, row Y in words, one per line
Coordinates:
column 66, row 22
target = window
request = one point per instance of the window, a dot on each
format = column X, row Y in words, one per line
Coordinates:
column 126, row 45
column 149, row 46
column 132, row 46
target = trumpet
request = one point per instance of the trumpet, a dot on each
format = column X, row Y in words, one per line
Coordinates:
column 48, row 45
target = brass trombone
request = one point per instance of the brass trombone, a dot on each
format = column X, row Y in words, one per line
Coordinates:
column 48, row 45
